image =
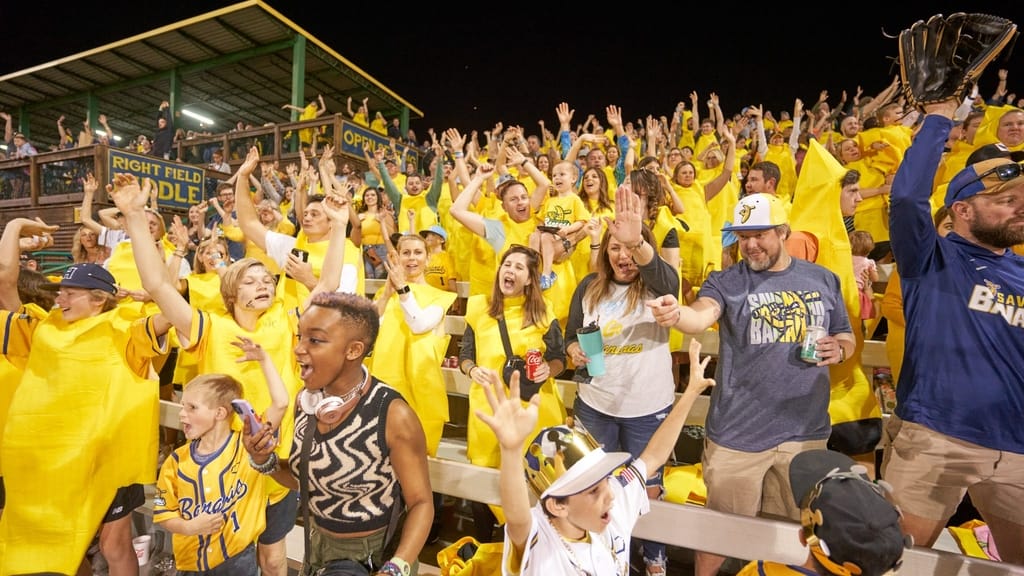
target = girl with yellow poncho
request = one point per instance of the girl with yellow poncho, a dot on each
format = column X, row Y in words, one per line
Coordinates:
column 531, row 324
column 82, row 421
column 412, row 340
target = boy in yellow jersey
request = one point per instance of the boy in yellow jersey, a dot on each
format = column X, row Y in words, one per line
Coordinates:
column 848, row 524
column 210, row 495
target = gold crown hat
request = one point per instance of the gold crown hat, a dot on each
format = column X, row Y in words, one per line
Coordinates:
column 561, row 461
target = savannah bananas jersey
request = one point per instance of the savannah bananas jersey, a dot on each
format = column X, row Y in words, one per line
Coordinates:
column 225, row 484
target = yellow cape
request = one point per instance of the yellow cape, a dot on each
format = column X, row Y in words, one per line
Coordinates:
column 816, row 210
column 82, row 423
column 411, row 363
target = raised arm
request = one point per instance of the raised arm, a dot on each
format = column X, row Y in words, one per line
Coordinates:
column 19, row 234
column 89, row 186
column 245, row 210
column 661, row 444
column 512, row 424
column 131, row 199
column 460, row 209
column 715, row 186
column 336, row 205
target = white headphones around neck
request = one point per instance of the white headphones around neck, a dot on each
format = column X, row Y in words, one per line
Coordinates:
column 328, row 408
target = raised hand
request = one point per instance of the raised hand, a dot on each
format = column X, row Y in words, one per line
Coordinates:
column 698, row 381
column 629, row 215
column 126, row 193
column 251, row 351
column 178, row 233
column 511, row 421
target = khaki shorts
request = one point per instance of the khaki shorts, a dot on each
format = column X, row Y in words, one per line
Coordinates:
column 749, row 483
column 930, row 472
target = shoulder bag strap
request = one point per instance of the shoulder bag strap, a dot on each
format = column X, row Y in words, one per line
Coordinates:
column 504, row 337
column 307, row 445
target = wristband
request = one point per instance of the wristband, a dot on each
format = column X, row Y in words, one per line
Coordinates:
column 460, row 155
column 268, row 467
column 595, row 246
column 396, row 567
column 842, row 354
column 403, row 290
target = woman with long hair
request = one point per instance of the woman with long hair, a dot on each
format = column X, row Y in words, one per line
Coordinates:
column 375, row 226
column 85, row 247
column 517, row 301
column 623, row 406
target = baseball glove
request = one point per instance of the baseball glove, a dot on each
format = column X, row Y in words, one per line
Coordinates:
column 942, row 58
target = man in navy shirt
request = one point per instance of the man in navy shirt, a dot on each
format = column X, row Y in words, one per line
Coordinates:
column 960, row 397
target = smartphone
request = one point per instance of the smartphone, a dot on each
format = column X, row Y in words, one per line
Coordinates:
column 245, row 412
column 301, row 255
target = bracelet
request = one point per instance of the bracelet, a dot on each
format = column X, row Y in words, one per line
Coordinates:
column 524, row 162
column 636, row 246
column 471, row 366
column 842, row 354
column 595, row 246
column 460, row 154
column 395, row 567
column 179, row 253
column 268, row 467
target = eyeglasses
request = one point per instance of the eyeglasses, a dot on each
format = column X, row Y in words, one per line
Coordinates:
column 1004, row 172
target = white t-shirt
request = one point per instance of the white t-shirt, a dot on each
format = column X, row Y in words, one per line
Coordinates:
column 280, row 245
column 110, row 238
column 607, row 553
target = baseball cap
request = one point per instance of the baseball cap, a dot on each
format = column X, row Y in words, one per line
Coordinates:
column 89, row 276
column 563, row 461
column 757, row 212
column 436, row 230
column 847, row 520
column 990, row 151
column 982, row 177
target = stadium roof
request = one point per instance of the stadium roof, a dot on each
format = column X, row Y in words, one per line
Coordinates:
column 238, row 63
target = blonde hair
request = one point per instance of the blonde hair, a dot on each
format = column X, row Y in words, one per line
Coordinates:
column 861, row 242
column 232, row 277
column 218, row 389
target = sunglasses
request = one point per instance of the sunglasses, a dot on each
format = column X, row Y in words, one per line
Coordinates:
column 1004, row 172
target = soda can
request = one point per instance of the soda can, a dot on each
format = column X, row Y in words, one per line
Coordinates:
column 809, row 348
column 533, row 362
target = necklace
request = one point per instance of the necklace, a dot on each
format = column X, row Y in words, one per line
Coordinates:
column 620, row 566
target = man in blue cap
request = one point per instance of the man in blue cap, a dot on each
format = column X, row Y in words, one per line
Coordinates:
column 960, row 396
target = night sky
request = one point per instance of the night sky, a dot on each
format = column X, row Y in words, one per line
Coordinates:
column 473, row 66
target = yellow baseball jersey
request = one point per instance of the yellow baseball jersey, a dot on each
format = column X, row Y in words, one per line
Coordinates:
column 440, row 269
column 224, row 484
column 211, row 342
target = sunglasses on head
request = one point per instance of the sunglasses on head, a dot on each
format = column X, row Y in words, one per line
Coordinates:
column 1004, row 172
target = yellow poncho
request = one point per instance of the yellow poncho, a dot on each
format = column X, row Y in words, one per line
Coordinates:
column 411, row 363
column 82, row 423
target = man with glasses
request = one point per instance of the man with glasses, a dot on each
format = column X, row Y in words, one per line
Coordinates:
column 960, row 395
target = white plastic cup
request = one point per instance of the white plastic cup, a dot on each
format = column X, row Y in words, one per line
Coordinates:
column 142, row 545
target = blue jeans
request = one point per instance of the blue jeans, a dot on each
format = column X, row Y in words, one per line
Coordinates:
column 616, row 434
